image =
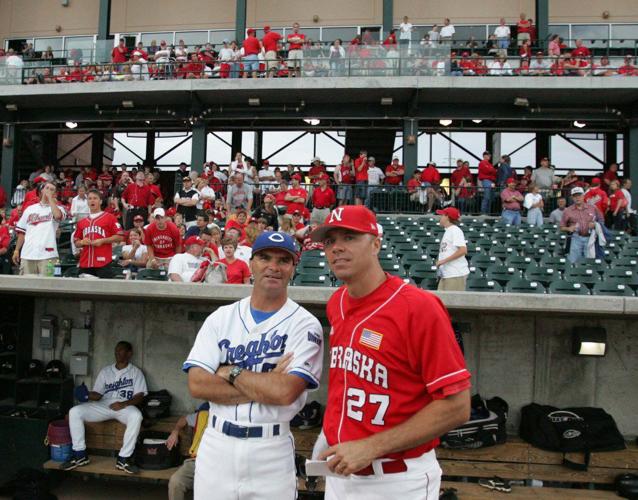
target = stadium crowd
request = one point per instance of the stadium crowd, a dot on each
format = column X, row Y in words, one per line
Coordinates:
column 512, row 49
column 214, row 217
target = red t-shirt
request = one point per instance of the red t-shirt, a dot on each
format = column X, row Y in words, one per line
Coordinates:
column 610, row 176
column 295, row 46
column 395, row 180
column 30, row 198
column 457, row 176
column 486, row 171
column 413, row 185
column 616, row 198
column 3, row 197
column 596, row 196
column 164, row 242
column 155, row 192
column 346, row 175
column 280, row 198
column 251, row 46
column 298, row 192
column 119, row 57
column 392, row 353
column 5, row 238
column 323, row 199
column 104, row 225
column 431, row 175
column 363, row 174
column 581, row 51
column 236, row 272
column 138, row 196
column 316, row 170
column 270, row 40
column 523, row 26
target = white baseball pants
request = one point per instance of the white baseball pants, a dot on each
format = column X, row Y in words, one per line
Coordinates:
column 230, row 468
column 422, row 481
column 130, row 416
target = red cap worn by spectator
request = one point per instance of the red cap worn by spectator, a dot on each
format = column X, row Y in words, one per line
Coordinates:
column 297, row 177
column 595, row 181
column 356, row 218
column 266, row 28
column 451, row 212
column 194, row 240
column 511, row 180
column 171, row 212
column 250, row 30
column 39, row 179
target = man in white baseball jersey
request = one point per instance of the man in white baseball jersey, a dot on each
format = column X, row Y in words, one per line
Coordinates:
column 37, row 245
column 253, row 361
column 117, row 391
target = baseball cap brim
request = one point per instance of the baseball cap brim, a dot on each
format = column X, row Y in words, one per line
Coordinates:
column 320, row 233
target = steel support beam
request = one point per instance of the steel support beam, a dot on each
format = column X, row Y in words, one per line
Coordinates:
column 630, row 160
column 543, row 146
column 388, row 15
column 240, row 21
column 198, row 147
column 8, row 158
column 97, row 150
column 410, row 146
column 235, row 140
column 584, row 150
column 611, row 148
column 74, row 148
column 542, row 21
column 104, row 20
column 150, row 149
column 258, row 148
column 460, row 146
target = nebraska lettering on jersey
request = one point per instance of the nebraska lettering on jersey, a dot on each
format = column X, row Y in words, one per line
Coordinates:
column 35, row 219
column 255, row 351
column 359, row 364
column 94, row 230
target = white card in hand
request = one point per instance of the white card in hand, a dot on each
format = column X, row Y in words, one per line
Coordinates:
column 319, row 468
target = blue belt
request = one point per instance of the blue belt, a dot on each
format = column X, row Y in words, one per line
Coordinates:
column 243, row 432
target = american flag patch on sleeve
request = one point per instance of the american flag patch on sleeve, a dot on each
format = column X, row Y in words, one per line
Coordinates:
column 371, row 339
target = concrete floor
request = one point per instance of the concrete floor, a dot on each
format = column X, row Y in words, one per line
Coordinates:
column 76, row 488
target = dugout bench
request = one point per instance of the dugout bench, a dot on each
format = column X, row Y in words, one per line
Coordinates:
column 514, row 460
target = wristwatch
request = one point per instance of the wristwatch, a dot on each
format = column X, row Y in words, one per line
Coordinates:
column 234, row 373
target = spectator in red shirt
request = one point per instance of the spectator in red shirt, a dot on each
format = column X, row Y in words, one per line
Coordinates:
column 296, row 197
column 137, row 199
column 430, row 180
column 280, row 197
column 460, row 183
column 317, row 169
column 323, row 199
column 194, row 69
column 344, row 178
column 628, row 69
column 523, row 28
column 252, row 47
column 580, row 50
column 269, row 42
column 5, row 239
column 394, row 173
column 295, row 52
column 609, row 176
column 3, row 198
column 237, row 271
column 616, row 217
column 414, row 185
column 361, row 178
column 16, row 213
column 597, row 197
column 487, row 177
column 162, row 240
column 119, row 55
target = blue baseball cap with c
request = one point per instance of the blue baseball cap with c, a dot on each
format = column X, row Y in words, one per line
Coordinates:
column 276, row 240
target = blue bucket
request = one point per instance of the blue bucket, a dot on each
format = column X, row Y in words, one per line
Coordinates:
column 61, row 452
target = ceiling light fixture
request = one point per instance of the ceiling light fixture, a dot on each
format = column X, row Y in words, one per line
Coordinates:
column 312, row 121
column 128, row 104
column 254, row 101
column 521, row 101
column 578, row 124
column 477, row 121
column 445, row 123
column 12, row 107
column 71, row 124
column 386, row 101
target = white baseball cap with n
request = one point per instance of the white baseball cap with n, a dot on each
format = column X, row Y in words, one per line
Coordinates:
column 577, row 190
column 159, row 212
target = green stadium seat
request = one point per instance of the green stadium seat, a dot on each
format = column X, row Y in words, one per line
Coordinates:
column 475, row 272
column 484, row 261
column 483, row 285
column 410, row 258
column 622, row 275
column 519, row 261
column 519, row 285
column 310, row 254
column 597, row 265
column 502, row 252
column 544, row 274
column 312, row 279
column 567, row 287
column 406, row 247
column 625, row 263
column 502, row 273
column 393, row 267
column 419, row 272
column 152, row 275
column 583, row 275
column 312, row 264
column 610, row 287
column 71, row 272
column 550, row 260
column 429, row 283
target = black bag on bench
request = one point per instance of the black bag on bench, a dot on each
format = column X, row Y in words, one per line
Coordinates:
column 568, row 430
column 152, row 453
column 486, row 426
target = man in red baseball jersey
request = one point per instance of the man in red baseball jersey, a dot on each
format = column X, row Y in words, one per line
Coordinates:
column 94, row 236
column 136, row 199
column 397, row 377
column 162, row 240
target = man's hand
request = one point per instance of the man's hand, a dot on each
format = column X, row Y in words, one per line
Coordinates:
column 592, row 225
column 350, row 457
column 120, row 405
column 16, row 258
column 98, row 243
column 172, row 439
column 224, row 371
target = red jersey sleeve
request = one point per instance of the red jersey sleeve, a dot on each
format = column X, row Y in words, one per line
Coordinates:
column 434, row 352
column 148, row 236
column 245, row 271
column 126, row 193
column 77, row 234
column 114, row 226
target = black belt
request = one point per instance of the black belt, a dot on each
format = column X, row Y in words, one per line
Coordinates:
column 241, row 431
column 322, row 208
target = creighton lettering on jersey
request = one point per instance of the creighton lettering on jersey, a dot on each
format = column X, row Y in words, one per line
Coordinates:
column 119, row 384
column 231, row 336
column 254, row 352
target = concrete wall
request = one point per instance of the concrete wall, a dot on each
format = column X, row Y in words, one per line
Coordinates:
column 521, row 357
